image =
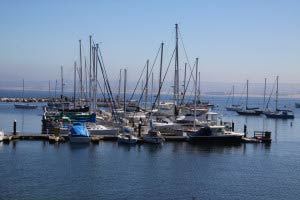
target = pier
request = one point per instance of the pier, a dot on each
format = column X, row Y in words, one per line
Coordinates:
column 64, row 137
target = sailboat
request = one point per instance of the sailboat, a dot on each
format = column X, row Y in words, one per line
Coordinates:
column 247, row 110
column 233, row 107
column 279, row 113
column 25, row 105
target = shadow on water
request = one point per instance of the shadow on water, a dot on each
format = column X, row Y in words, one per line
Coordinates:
column 212, row 147
column 79, row 146
column 128, row 147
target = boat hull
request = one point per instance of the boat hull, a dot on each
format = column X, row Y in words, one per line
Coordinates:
column 250, row 112
column 279, row 116
column 233, row 109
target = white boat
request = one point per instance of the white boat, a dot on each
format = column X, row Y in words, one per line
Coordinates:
column 1, row 135
column 127, row 139
column 101, row 130
column 153, row 136
column 79, row 134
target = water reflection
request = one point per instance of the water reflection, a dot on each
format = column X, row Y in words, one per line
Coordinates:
column 152, row 148
column 275, row 130
column 212, row 148
column 78, row 147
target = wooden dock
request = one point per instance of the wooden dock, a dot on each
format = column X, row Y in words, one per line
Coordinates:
column 64, row 137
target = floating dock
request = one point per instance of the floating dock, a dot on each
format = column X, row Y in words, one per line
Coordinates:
column 64, row 137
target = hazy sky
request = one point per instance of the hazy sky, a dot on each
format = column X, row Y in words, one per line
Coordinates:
column 235, row 40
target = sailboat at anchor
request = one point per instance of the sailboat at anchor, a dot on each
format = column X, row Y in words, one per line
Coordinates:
column 23, row 104
column 279, row 113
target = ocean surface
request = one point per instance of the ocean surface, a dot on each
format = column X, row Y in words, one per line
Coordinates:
column 174, row 170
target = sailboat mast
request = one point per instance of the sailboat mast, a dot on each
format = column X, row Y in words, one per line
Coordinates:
column 49, row 89
column 62, row 81
column 86, row 79
column 119, row 91
column 176, row 77
column 232, row 95
column 80, row 74
column 55, row 88
column 199, row 92
column 23, row 92
column 96, row 75
column 146, row 92
column 195, row 95
column 276, row 101
column 151, row 98
column 74, row 85
column 160, row 73
column 247, row 95
column 90, row 70
column 93, row 77
column 184, row 78
column 265, row 89
column 125, row 82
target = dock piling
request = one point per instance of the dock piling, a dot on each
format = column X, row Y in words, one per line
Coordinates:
column 245, row 130
column 15, row 127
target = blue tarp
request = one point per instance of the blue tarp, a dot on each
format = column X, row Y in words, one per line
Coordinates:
column 79, row 130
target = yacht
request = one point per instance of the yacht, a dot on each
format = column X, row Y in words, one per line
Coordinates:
column 213, row 134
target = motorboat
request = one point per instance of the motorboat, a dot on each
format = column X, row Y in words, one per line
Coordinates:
column 213, row 134
column 79, row 134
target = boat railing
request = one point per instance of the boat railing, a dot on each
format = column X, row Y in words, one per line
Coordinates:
column 262, row 134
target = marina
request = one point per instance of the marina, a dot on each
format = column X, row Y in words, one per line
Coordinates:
column 160, row 100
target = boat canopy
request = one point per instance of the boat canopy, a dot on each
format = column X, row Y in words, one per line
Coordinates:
column 79, row 130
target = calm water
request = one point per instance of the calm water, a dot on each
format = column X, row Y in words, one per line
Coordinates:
column 39, row 170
